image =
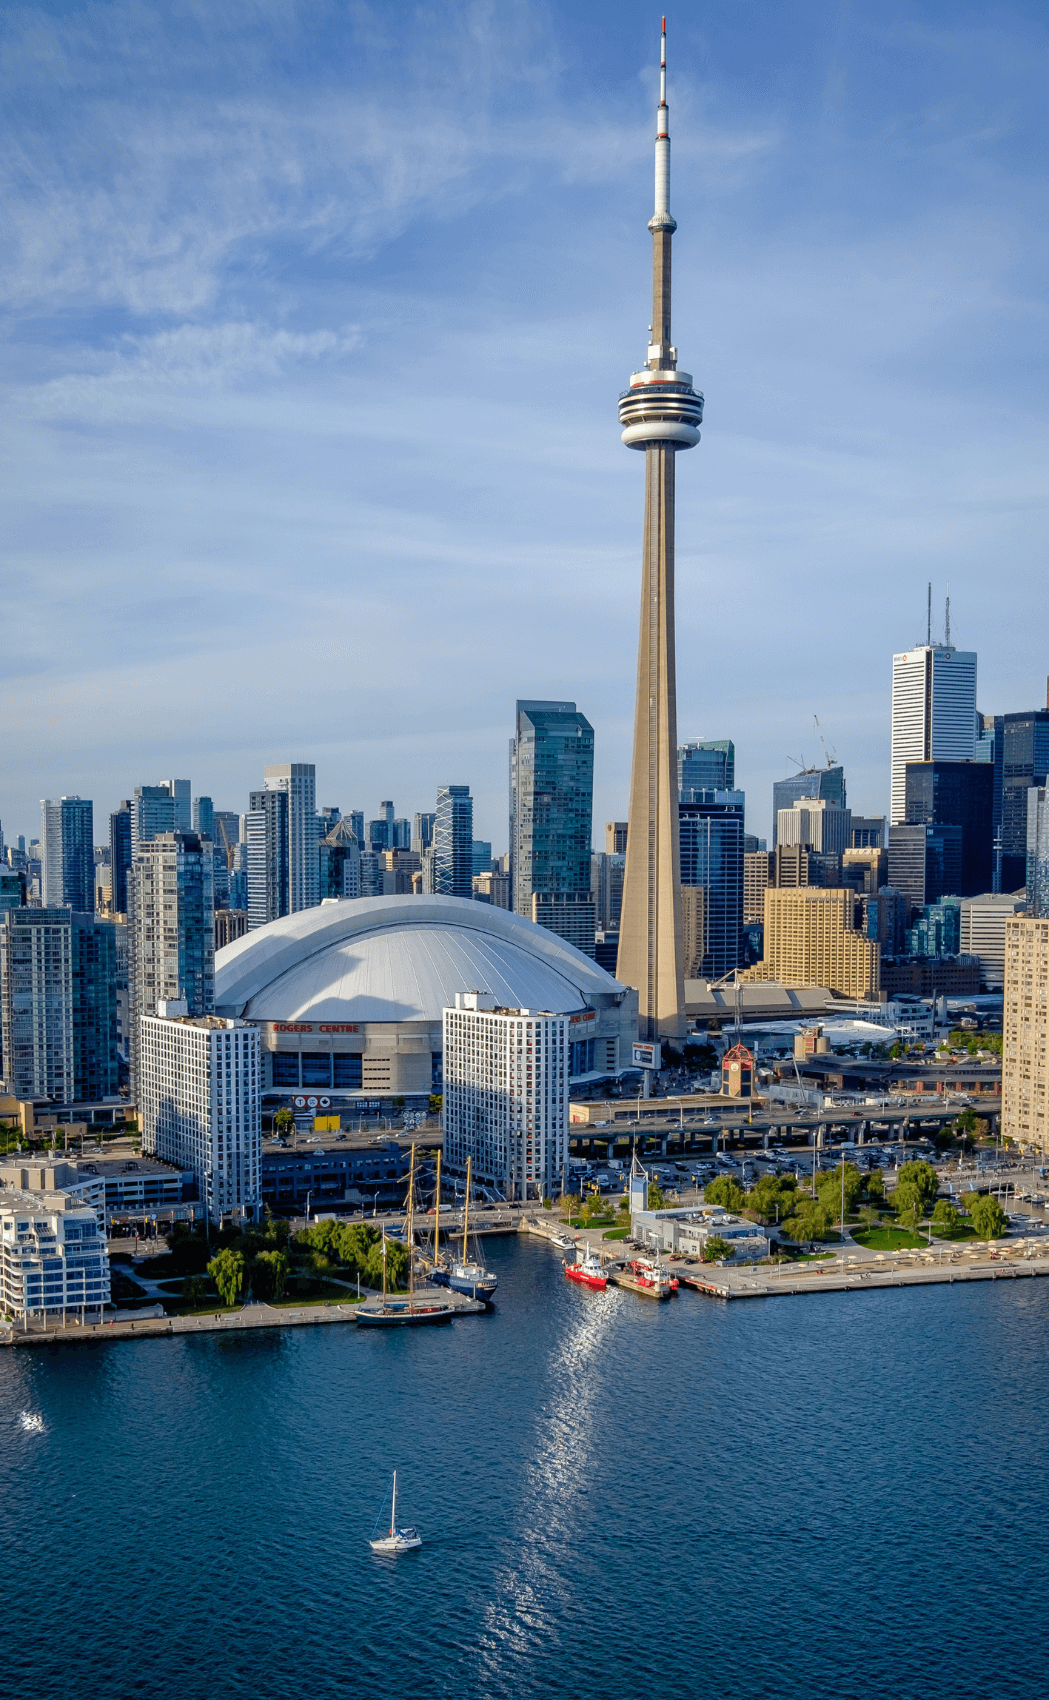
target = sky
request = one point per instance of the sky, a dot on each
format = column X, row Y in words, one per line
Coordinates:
column 315, row 318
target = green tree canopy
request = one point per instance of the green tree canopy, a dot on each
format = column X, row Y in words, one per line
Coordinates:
column 925, row 1181
column 715, row 1248
column 945, row 1214
column 874, row 1185
column 725, row 1191
column 227, row 1272
column 829, row 1186
column 807, row 1221
column 770, row 1192
column 988, row 1218
column 269, row 1275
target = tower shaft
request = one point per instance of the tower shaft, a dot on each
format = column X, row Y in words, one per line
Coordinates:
column 650, row 941
column 660, row 413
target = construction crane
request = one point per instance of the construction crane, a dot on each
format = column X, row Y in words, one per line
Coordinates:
column 831, row 755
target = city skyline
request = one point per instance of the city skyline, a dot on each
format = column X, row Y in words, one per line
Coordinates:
column 195, row 405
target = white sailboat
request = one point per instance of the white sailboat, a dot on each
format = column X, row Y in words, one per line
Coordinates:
column 395, row 1540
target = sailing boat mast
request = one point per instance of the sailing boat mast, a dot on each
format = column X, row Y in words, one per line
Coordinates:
column 410, row 1226
column 466, row 1207
column 437, row 1216
column 393, row 1507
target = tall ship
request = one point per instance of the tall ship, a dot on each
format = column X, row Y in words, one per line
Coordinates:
column 403, row 1310
column 464, row 1273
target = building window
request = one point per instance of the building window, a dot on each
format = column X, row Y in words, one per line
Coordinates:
column 285, row 1068
column 347, row 1071
column 316, row 1068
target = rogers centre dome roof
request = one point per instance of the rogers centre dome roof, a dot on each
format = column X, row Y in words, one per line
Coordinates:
column 402, row 959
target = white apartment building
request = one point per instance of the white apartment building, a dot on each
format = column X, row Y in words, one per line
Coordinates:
column 933, row 713
column 53, row 1256
column 200, row 1102
column 1025, row 1032
column 983, row 929
column 506, row 1095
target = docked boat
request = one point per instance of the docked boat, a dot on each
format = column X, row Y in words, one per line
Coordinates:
column 645, row 1276
column 463, row 1274
column 403, row 1310
column 395, row 1540
column 587, row 1271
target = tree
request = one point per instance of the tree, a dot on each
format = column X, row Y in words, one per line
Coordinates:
column 945, row 1215
column 269, row 1275
column 227, row 1272
column 284, row 1121
column 869, row 1217
column 830, row 1186
column 436, row 1103
column 925, row 1182
column 772, row 1196
column 194, row 1289
column 657, row 1199
column 807, row 1221
column 725, row 1191
column 989, row 1219
column 715, row 1249
column 874, row 1185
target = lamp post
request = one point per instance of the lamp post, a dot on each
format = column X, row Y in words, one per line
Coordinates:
column 309, row 1195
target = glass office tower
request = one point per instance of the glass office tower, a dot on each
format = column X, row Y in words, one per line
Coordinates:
column 711, row 840
column 551, row 803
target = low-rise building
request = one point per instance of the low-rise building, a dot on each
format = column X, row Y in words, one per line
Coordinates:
column 365, row 1175
column 53, row 1255
column 686, row 1232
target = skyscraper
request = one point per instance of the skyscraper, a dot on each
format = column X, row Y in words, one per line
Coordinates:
column 298, row 781
column 827, row 784
column 711, row 851
column 96, row 1073
column 660, row 414
column 551, row 818
column 956, row 793
column 152, row 812
column 933, row 713
column 1025, row 1032
column 171, row 931
column 179, row 790
column 706, row 765
column 36, row 1003
column 204, row 817
column 266, row 833
column 1038, row 851
column 1021, row 760
column 453, row 835
column 119, row 856
column 67, row 853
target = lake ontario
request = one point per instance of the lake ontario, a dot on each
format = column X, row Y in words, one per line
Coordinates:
column 833, row 1495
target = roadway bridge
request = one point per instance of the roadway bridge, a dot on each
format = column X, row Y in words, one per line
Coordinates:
column 765, row 1126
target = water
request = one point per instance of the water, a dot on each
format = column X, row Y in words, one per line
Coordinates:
column 838, row 1495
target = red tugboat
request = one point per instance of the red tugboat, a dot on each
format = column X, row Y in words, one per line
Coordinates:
column 642, row 1275
column 588, row 1271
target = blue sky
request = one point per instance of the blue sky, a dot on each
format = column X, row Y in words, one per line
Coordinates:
column 315, row 317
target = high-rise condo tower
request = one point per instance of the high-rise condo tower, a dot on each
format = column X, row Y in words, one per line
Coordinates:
column 660, row 414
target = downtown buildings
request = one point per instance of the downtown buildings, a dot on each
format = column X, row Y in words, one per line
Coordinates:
column 551, row 820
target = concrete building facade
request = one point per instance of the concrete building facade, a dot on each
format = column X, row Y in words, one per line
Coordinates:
column 506, row 1095
column 1025, row 1032
column 171, row 932
column 660, row 414
column 53, row 1255
column 36, row 1003
column 984, row 920
column 200, row 1103
column 933, row 713
column 811, row 939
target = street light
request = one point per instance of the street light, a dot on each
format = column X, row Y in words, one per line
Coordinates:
column 309, row 1195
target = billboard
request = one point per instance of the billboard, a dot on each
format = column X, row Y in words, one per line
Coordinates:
column 646, row 1055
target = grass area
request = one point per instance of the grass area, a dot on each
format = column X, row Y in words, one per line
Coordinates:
column 175, row 1288
column 964, row 1231
column 122, row 1288
column 889, row 1239
column 340, row 1295
column 175, row 1307
column 301, row 1288
column 617, row 1234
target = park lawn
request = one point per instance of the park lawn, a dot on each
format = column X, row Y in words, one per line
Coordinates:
column 301, row 1288
column 889, row 1239
column 178, row 1307
column 964, row 1231
column 617, row 1234
column 175, row 1288
column 339, row 1294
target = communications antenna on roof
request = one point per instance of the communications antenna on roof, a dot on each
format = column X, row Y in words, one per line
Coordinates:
column 928, row 618
column 947, row 619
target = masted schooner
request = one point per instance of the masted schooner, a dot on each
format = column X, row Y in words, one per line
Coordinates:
column 403, row 1310
column 464, row 1274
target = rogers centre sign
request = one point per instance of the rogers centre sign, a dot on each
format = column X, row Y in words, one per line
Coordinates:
column 314, row 1027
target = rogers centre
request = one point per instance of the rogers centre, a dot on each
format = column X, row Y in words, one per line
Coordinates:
column 350, row 996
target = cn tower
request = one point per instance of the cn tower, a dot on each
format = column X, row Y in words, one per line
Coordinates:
column 660, row 413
